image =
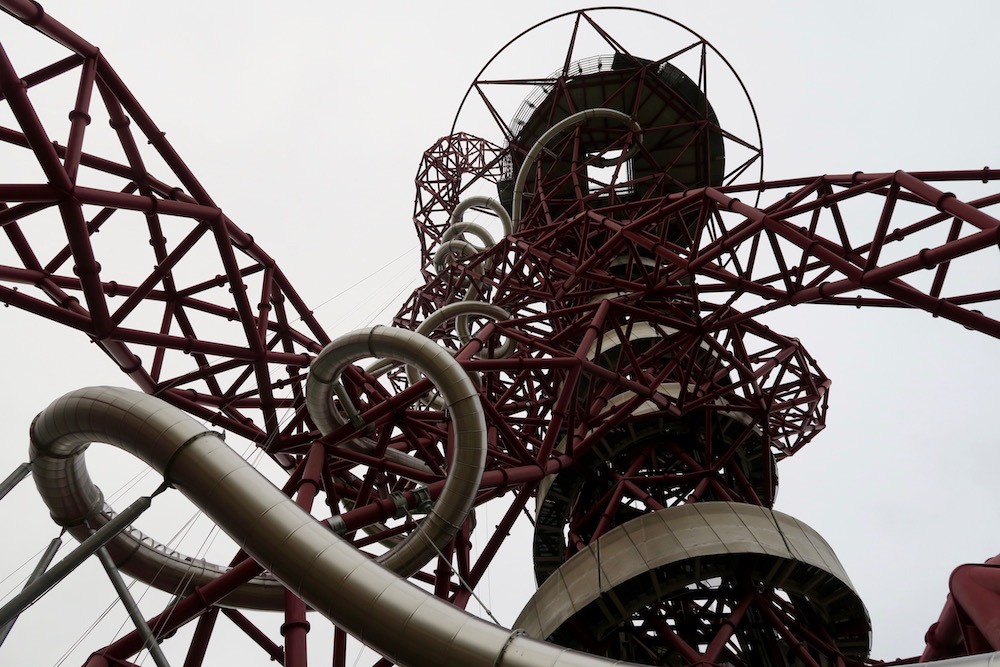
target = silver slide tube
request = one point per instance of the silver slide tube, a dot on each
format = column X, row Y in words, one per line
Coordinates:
column 387, row 613
column 456, row 229
column 457, row 310
column 458, row 215
column 460, row 398
column 75, row 502
column 980, row 660
column 552, row 132
column 454, row 246
column 462, row 323
column 450, row 241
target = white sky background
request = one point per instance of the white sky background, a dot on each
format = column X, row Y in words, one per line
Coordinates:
column 306, row 124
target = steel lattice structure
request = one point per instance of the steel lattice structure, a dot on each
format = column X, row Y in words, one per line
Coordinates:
column 629, row 391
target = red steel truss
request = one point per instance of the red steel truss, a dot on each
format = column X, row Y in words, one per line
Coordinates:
column 640, row 379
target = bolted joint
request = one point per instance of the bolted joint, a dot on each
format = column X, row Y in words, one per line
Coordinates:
column 289, row 626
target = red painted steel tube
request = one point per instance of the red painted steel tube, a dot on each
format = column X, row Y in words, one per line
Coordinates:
column 13, row 89
column 296, row 626
column 527, row 450
column 186, row 609
column 339, row 647
column 764, row 606
column 975, row 590
column 79, row 119
column 880, row 279
column 728, row 626
column 86, row 266
column 33, row 15
column 256, row 634
column 199, row 641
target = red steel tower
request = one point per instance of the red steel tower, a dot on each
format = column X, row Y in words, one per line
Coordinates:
column 587, row 355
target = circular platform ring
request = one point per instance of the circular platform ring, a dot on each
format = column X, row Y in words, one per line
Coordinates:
column 561, row 494
column 667, row 554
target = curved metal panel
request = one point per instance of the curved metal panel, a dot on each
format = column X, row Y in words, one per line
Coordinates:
column 396, row 618
column 663, row 553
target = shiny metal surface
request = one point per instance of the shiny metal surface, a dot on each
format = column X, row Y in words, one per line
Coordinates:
column 662, row 551
column 74, row 501
column 460, row 398
column 386, row 612
column 982, row 660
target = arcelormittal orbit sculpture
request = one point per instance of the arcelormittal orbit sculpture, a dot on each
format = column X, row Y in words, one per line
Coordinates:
column 586, row 350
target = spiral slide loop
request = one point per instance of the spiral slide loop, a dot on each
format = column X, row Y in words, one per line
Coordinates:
column 459, row 310
column 130, row 421
column 554, row 131
column 401, row 621
column 460, row 398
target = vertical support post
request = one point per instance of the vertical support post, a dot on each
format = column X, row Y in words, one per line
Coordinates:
column 43, row 564
column 199, row 642
column 339, row 647
column 296, row 627
column 20, row 472
column 294, row 630
column 132, row 608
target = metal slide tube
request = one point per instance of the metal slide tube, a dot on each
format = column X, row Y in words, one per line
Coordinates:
column 460, row 398
column 460, row 228
column 579, row 117
column 461, row 309
column 77, row 503
column 980, row 660
column 458, row 215
column 456, row 227
column 453, row 247
column 450, row 244
column 394, row 617
column 458, row 311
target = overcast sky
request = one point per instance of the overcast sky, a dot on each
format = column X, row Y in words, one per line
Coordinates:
column 306, row 124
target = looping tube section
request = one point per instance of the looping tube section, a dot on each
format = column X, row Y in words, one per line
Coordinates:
column 459, row 397
column 458, row 310
column 60, row 436
column 451, row 243
column 396, row 618
column 555, row 130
